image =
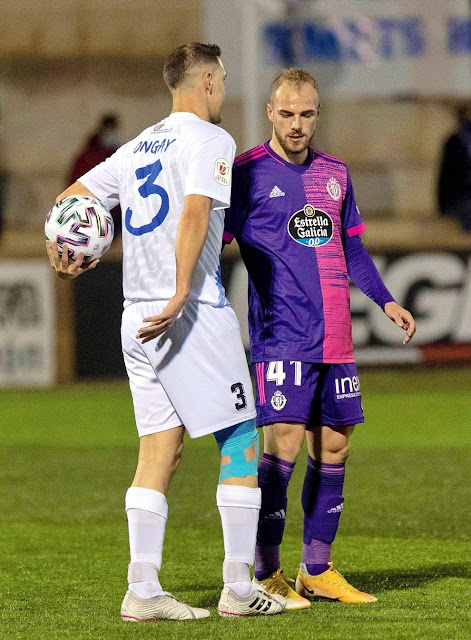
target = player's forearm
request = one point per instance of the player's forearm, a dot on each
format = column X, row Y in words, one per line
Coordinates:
column 76, row 189
column 191, row 235
column 363, row 272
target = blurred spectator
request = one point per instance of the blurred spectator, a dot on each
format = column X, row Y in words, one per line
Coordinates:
column 100, row 145
column 3, row 186
column 454, row 184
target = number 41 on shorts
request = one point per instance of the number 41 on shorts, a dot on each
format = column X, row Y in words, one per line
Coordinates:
column 276, row 373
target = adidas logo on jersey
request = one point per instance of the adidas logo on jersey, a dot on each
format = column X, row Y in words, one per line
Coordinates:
column 337, row 509
column 276, row 192
column 278, row 515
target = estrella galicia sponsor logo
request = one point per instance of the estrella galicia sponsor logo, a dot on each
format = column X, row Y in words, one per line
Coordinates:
column 311, row 227
column 347, row 387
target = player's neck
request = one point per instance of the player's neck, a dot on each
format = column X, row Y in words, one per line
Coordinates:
column 293, row 158
column 190, row 104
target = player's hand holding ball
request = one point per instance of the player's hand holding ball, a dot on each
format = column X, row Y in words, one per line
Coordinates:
column 79, row 230
column 60, row 262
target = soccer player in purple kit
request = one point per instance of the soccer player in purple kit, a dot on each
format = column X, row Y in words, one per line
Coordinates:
column 294, row 215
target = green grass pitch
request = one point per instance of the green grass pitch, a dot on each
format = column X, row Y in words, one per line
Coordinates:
column 67, row 457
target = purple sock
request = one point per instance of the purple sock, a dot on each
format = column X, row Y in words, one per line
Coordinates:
column 273, row 478
column 322, row 503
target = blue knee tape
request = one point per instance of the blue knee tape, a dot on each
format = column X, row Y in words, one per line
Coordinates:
column 233, row 442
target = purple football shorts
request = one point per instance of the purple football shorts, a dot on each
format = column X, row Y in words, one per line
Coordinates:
column 309, row 393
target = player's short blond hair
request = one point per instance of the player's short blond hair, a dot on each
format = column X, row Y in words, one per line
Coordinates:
column 294, row 76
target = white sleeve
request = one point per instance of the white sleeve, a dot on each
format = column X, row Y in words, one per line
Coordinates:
column 102, row 181
column 210, row 170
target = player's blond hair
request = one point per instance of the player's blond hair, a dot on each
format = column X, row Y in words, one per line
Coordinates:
column 294, row 76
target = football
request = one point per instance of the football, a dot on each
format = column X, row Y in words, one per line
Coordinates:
column 84, row 223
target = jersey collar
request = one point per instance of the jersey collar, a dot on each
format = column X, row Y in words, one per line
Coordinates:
column 299, row 168
column 183, row 115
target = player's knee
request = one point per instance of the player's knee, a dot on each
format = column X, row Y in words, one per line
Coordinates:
column 335, row 445
column 336, row 451
column 343, row 453
column 285, row 441
column 288, row 451
column 239, row 449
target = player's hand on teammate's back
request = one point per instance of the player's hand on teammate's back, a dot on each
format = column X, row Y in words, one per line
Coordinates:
column 65, row 269
column 161, row 323
column 402, row 318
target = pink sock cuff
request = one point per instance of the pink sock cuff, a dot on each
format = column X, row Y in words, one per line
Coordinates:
column 326, row 467
column 272, row 461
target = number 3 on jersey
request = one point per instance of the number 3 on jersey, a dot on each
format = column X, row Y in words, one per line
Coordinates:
column 151, row 171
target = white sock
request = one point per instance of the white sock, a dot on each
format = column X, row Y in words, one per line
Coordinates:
column 244, row 587
column 239, row 508
column 146, row 510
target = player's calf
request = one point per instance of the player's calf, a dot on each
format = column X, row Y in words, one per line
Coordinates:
column 239, row 506
column 159, row 456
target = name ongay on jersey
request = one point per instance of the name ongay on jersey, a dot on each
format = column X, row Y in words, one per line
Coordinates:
column 311, row 227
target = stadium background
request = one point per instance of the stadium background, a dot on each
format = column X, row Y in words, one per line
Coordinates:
column 391, row 76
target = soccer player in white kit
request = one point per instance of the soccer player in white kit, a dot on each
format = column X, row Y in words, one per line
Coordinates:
column 181, row 342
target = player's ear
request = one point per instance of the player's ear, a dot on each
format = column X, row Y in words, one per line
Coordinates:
column 270, row 112
column 209, row 82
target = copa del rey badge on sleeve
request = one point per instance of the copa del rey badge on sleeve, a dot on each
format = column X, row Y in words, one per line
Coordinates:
column 222, row 172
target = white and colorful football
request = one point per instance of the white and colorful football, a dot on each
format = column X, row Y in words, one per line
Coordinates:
column 84, row 223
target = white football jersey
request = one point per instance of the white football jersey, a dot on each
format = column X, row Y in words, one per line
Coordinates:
column 150, row 177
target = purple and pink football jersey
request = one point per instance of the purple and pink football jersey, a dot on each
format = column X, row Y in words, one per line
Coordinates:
column 290, row 222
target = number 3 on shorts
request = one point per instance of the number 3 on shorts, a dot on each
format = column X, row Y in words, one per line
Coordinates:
column 275, row 372
column 239, row 388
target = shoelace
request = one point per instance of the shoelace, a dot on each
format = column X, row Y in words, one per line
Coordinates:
column 274, row 581
column 339, row 580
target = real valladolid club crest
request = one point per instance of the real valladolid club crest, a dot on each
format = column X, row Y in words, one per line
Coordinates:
column 311, row 227
column 278, row 401
column 333, row 189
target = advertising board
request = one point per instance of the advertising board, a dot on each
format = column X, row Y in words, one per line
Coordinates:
column 27, row 308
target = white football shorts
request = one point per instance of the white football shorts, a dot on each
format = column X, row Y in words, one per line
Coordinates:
column 195, row 375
